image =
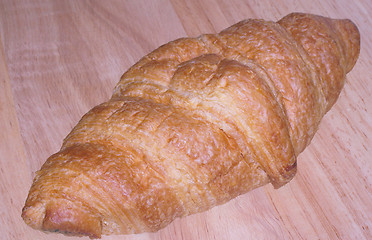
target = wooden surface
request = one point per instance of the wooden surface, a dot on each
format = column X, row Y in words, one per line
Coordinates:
column 60, row 58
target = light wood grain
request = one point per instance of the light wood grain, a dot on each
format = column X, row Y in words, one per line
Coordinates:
column 60, row 58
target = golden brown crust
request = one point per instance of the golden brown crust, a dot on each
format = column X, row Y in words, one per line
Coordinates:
column 194, row 124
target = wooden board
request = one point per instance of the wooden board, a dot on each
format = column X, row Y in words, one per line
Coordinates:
column 60, row 58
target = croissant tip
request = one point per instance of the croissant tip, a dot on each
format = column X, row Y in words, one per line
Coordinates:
column 71, row 220
column 33, row 215
column 62, row 218
column 350, row 36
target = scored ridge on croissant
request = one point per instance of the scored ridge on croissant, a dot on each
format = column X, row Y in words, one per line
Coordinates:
column 193, row 124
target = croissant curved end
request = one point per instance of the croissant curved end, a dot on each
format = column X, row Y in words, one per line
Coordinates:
column 350, row 37
column 64, row 218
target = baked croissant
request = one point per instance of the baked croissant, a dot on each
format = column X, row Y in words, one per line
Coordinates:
column 194, row 124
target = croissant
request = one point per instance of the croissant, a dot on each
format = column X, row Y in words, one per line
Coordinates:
column 193, row 124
